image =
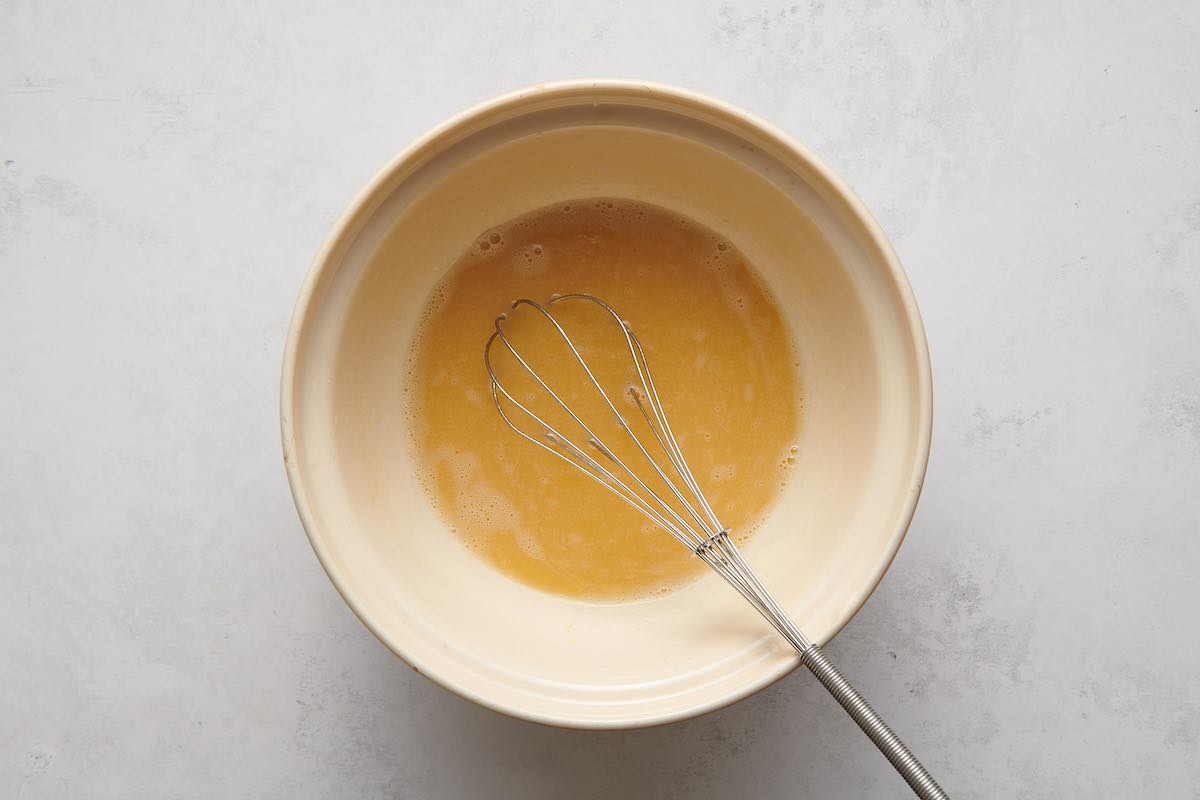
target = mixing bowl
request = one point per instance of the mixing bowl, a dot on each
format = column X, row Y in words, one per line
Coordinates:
column 350, row 461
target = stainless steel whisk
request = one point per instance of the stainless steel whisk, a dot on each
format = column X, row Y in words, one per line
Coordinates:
column 690, row 518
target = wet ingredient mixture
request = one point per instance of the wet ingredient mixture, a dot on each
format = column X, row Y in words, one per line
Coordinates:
column 722, row 358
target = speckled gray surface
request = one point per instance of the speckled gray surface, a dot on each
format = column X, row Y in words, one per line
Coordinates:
column 167, row 170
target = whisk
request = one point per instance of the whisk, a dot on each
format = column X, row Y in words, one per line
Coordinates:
column 677, row 505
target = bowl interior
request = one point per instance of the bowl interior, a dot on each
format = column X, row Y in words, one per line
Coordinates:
column 823, row 548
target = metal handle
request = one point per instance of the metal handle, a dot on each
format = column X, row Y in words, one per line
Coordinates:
column 720, row 553
column 873, row 725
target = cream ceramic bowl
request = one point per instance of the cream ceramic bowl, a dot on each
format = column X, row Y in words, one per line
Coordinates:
column 514, row 649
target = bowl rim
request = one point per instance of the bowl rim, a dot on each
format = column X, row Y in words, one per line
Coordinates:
column 345, row 224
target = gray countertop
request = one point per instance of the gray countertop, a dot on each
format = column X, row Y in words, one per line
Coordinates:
column 167, row 171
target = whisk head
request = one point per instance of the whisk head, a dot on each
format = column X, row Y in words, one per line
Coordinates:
column 634, row 454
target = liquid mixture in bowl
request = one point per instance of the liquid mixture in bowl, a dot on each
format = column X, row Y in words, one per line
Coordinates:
column 723, row 362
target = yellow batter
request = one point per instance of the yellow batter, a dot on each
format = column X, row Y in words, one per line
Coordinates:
column 721, row 356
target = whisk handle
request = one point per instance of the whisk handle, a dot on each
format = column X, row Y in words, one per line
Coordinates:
column 873, row 726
